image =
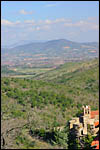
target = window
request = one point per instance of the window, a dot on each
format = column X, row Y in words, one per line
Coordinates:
column 81, row 132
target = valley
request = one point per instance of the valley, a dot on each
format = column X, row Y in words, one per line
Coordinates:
column 35, row 106
column 50, row 53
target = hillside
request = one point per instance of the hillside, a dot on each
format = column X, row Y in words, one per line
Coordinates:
column 46, row 101
column 68, row 71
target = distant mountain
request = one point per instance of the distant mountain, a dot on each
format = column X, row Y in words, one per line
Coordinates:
column 61, row 49
column 58, row 44
column 22, row 42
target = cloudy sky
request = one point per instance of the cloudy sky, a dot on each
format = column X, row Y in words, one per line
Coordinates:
column 41, row 20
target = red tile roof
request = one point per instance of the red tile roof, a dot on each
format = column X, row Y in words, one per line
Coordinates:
column 96, row 123
column 97, row 147
column 95, row 143
column 94, row 113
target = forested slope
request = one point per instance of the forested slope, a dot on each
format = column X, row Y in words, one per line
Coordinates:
column 46, row 103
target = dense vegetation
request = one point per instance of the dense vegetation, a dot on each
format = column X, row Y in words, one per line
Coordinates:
column 41, row 105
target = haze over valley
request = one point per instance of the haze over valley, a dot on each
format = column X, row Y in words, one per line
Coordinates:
column 48, row 54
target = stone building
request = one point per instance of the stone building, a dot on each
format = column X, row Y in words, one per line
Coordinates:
column 88, row 121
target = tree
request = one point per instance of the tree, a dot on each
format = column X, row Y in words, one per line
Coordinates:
column 61, row 137
column 87, row 140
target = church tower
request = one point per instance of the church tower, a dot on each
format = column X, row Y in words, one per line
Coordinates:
column 86, row 117
column 87, row 111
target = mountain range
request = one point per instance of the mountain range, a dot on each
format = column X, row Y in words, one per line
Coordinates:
column 48, row 52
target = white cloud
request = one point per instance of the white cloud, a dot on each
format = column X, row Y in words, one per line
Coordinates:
column 48, row 21
column 9, row 23
column 93, row 18
column 62, row 20
column 75, row 24
column 95, row 27
column 51, row 5
column 6, row 22
column 29, row 22
column 58, row 20
column 42, row 28
column 83, row 24
column 23, row 12
column 60, row 27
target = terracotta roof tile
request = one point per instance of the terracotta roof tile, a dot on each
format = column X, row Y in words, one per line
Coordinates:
column 95, row 142
column 96, row 123
column 97, row 147
column 94, row 113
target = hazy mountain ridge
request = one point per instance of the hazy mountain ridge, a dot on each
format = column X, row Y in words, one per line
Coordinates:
column 52, row 52
column 52, row 44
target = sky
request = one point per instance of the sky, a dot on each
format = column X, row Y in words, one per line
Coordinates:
column 48, row 20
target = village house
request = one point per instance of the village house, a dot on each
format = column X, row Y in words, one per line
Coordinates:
column 88, row 121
